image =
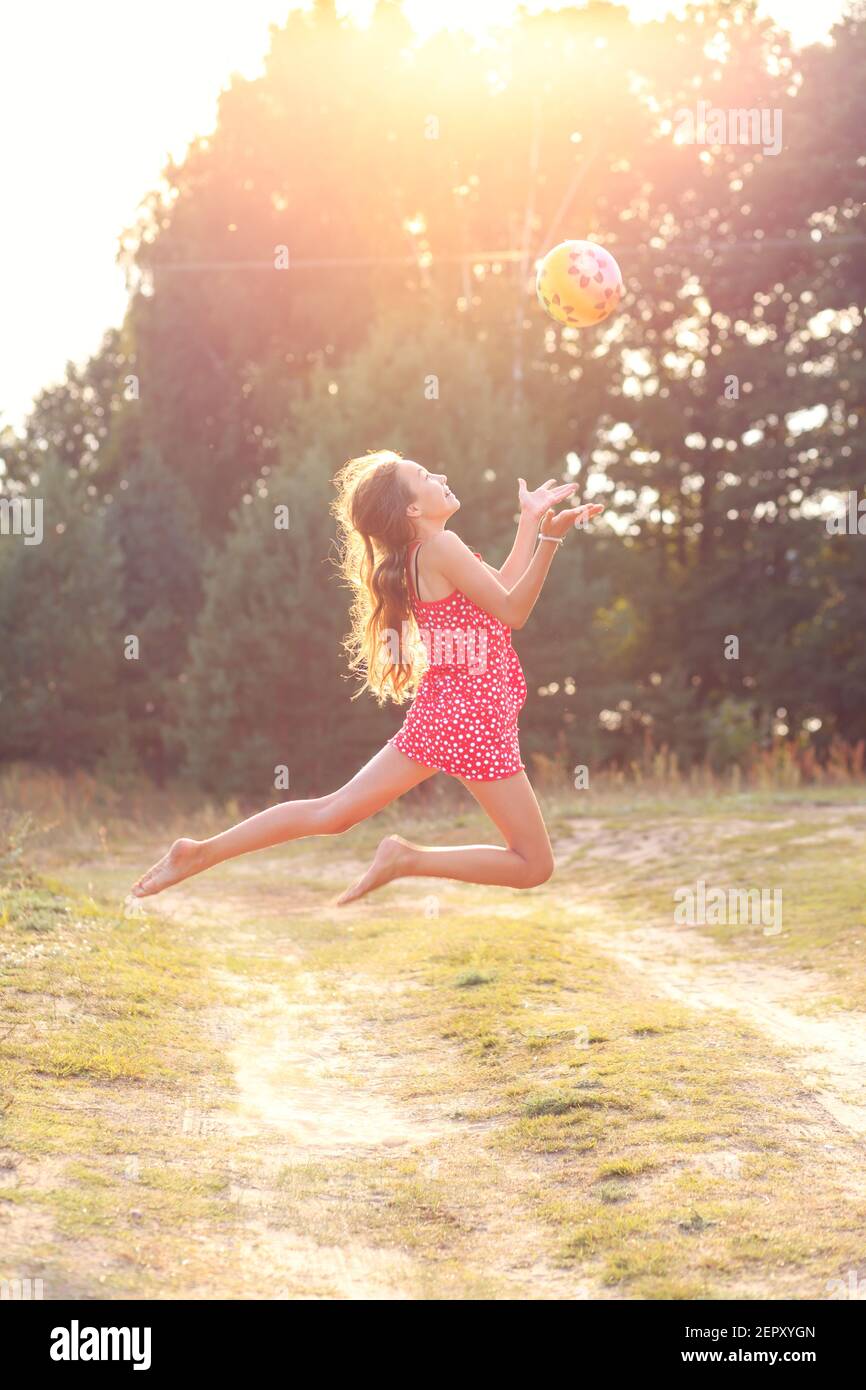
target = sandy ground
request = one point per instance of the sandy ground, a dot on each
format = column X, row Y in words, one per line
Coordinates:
column 313, row 1081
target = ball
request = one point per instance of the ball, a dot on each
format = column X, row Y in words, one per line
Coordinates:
column 579, row 283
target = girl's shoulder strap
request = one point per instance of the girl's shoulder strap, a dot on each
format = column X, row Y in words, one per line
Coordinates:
column 410, row 557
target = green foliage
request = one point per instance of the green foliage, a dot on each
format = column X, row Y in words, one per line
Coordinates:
column 153, row 522
column 60, row 636
column 731, row 733
column 266, row 633
column 714, row 413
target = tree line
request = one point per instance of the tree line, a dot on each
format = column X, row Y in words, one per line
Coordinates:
column 165, row 623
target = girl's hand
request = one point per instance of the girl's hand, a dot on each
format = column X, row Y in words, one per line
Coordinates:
column 557, row 524
column 550, row 494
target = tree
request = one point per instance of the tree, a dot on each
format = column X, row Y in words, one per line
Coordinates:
column 60, row 633
column 154, row 524
column 254, row 699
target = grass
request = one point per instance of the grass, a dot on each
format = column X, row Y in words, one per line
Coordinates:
column 654, row 1090
column 814, row 862
column 99, row 1039
column 566, row 1117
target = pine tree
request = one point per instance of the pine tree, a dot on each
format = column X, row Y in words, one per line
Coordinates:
column 158, row 533
column 60, row 632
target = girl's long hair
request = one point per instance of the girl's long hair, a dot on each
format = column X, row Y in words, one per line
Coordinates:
column 383, row 643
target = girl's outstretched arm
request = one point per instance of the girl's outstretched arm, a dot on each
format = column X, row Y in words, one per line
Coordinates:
column 448, row 555
column 533, row 505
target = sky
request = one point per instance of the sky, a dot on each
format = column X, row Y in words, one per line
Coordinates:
column 99, row 86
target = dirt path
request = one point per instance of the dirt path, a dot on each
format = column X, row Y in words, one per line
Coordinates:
column 355, row 1147
column 827, row 1054
column 315, row 1085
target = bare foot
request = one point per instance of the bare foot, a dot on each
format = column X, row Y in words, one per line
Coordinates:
column 388, row 864
column 183, row 859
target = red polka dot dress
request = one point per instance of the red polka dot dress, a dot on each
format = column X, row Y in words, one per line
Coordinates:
column 463, row 719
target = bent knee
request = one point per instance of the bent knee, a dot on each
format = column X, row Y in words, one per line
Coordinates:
column 538, row 870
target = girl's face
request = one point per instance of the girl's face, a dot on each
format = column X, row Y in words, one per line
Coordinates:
column 433, row 499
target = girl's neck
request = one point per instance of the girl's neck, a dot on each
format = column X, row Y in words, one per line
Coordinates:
column 425, row 529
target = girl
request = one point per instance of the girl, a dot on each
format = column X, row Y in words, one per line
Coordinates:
column 429, row 619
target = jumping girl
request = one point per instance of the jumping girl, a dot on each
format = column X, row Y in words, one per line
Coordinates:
column 431, row 620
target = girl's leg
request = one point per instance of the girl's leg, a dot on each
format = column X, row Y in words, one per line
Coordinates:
column 386, row 776
column 527, row 861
